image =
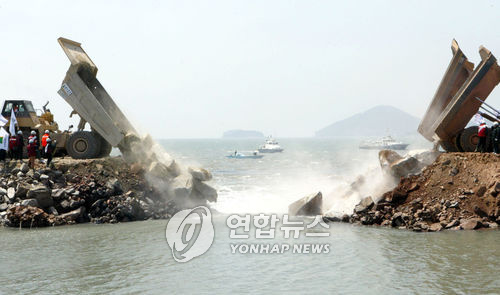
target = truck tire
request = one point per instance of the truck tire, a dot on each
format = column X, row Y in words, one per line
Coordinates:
column 105, row 147
column 469, row 139
column 83, row 145
column 448, row 146
column 456, row 140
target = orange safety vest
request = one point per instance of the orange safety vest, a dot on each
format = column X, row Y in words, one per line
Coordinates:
column 44, row 139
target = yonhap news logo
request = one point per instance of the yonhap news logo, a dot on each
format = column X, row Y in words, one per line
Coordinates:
column 190, row 233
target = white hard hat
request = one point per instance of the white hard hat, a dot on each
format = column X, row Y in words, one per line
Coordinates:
column 49, row 140
column 47, row 131
column 33, row 132
column 19, row 132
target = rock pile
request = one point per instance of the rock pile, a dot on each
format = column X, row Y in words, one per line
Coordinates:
column 457, row 191
column 100, row 190
column 185, row 185
column 399, row 166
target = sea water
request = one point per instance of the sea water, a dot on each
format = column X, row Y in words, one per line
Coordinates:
column 134, row 258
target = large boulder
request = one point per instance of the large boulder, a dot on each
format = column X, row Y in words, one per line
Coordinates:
column 24, row 168
column 174, row 169
column 158, row 170
column 436, row 227
column 58, row 194
column 72, row 216
column 335, row 216
column 200, row 174
column 11, row 193
column 397, row 219
column 308, row 206
column 114, row 186
column 52, row 210
column 363, row 206
column 181, row 186
column 397, row 166
column 396, row 196
column 404, row 167
column 30, row 202
column 207, row 192
column 387, row 158
column 21, row 190
column 470, row 224
column 42, row 194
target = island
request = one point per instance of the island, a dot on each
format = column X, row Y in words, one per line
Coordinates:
column 380, row 120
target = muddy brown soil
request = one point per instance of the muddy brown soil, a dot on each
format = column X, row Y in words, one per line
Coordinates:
column 457, row 191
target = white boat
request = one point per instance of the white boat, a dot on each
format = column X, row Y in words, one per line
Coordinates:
column 384, row 143
column 237, row 155
column 271, row 146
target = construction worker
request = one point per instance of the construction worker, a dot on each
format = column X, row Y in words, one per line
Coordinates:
column 35, row 141
column 45, row 136
column 482, row 132
column 32, row 135
column 20, row 145
column 49, row 150
column 495, row 138
column 12, row 146
column 32, row 152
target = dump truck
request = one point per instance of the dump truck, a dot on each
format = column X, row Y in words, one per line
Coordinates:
column 90, row 101
column 459, row 97
column 109, row 127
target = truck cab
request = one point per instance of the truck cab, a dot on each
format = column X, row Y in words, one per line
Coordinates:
column 22, row 108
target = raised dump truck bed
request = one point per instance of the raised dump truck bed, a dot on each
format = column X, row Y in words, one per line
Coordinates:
column 88, row 98
column 455, row 103
column 456, row 74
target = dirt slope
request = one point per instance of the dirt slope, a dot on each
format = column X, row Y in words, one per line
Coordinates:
column 457, row 191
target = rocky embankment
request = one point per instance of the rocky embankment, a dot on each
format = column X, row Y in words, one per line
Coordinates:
column 100, row 191
column 457, row 191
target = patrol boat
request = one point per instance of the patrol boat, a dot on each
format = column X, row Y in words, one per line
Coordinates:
column 238, row 155
column 271, row 146
column 385, row 143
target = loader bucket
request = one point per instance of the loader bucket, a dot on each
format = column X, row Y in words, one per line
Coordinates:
column 85, row 94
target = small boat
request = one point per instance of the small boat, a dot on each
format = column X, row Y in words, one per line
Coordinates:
column 237, row 155
column 385, row 143
column 271, row 146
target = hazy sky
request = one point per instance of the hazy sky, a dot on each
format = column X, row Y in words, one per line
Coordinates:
column 197, row 68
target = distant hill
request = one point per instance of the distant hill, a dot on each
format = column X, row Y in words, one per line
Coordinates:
column 242, row 134
column 378, row 121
